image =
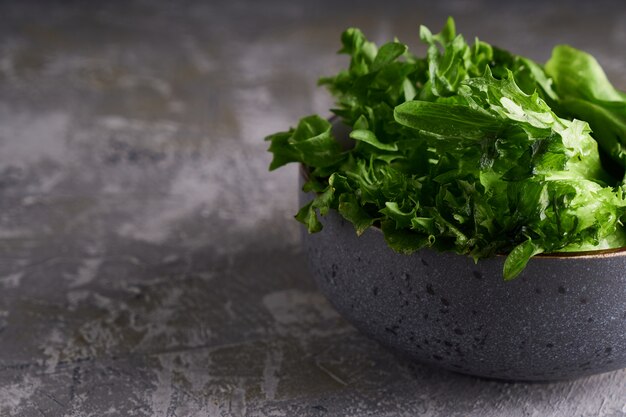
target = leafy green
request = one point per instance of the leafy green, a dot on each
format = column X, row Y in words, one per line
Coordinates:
column 470, row 149
column 449, row 121
column 587, row 94
column 368, row 136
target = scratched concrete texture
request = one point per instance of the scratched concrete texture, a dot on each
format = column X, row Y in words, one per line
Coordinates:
column 149, row 263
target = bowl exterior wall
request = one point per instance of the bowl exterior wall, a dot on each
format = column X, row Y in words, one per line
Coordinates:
column 561, row 318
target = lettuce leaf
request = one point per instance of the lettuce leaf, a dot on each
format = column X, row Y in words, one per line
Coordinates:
column 587, row 94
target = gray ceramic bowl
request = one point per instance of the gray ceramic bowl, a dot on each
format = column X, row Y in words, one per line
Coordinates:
column 563, row 317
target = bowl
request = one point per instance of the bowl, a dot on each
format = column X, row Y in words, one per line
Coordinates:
column 563, row 317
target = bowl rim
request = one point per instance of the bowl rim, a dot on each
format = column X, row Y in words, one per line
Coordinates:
column 588, row 254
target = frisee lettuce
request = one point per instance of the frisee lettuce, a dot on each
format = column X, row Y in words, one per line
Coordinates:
column 470, row 149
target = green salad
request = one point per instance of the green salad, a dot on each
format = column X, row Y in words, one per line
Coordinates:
column 470, row 149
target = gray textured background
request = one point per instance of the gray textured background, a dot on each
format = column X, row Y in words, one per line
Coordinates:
column 149, row 264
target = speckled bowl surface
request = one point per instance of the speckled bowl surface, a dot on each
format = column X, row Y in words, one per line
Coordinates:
column 562, row 317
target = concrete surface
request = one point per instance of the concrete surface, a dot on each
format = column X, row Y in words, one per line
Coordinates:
column 149, row 265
